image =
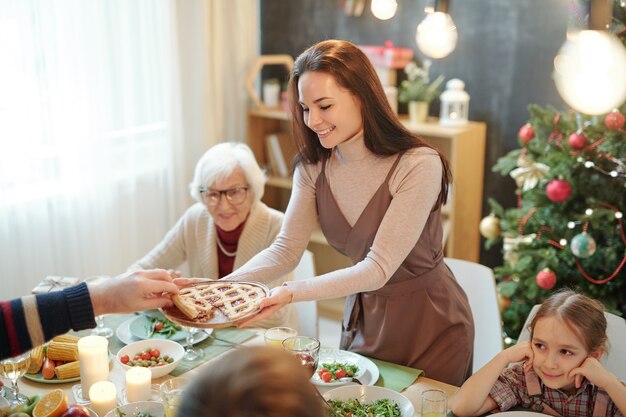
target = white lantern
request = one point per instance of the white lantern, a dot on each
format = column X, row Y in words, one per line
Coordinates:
column 454, row 104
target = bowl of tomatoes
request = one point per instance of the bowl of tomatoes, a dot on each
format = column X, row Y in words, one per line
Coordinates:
column 159, row 355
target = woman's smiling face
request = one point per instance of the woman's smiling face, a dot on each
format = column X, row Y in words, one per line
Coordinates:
column 329, row 110
column 557, row 349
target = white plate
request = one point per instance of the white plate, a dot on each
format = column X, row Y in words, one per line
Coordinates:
column 520, row 414
column 123, row 333
column 330, row 355
column 367, row 394
column 154, row 408
column 3, row 402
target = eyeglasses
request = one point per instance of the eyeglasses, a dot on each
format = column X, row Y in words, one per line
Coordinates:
column 234, row 196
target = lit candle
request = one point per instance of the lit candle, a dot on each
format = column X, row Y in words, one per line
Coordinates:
column 103, row 397
column 138, row 384
column 93, row 355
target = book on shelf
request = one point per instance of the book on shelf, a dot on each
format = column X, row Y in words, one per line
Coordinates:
column 280, row 151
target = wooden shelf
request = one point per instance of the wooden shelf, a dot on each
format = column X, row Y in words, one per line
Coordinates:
column 464, row 146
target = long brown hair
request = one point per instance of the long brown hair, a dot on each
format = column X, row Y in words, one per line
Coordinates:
column 382, row 131
column 584, row 315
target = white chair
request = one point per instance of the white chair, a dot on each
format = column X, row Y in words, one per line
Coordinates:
column 307, row 310
column 615, row 359
column 479, row 284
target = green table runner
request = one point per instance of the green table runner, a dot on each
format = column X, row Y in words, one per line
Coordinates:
column 209, row 346
column 395, row 377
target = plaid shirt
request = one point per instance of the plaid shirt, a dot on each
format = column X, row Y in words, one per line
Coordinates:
column 510, row 390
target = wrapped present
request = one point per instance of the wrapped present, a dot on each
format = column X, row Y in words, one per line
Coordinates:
column 51, row 283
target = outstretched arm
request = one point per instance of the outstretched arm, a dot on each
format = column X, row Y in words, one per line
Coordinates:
column 34, row 319
column 473, row 398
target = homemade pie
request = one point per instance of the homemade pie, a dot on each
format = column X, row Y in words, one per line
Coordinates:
column 233, row 299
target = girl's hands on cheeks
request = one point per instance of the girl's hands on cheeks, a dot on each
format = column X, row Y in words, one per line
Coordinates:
column 593, row 370
column 520, row 352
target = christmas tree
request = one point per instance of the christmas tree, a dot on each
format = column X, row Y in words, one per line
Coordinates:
column 567, row 229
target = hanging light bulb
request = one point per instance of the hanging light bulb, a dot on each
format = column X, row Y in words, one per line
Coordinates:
column 384, row 9
column 436, row 35
column 589, row 72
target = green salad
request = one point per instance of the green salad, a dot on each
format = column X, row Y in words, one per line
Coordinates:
column 355, row 408
column 163, row 327
column 333, row 371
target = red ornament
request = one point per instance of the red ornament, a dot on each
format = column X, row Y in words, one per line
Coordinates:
column 614, row 120
column 577, row 140
column 526, row 133
column 558, row 190
column 546, row 279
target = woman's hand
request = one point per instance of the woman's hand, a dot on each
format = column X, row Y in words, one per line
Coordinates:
column 132, row 291
column 279, row 297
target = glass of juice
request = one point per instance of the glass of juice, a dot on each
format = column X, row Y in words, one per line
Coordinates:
column 305, row 349
column 434, row 403
column 276, row 335
column 171, row 394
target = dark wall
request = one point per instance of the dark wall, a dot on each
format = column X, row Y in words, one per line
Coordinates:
column 504, row 55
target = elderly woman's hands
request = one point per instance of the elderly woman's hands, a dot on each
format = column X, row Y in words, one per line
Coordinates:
column 132, row 291
column 279, row 297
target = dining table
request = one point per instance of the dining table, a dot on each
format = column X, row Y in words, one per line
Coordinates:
column 233, row 338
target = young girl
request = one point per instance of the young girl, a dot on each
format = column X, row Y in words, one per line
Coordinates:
column 560, row 375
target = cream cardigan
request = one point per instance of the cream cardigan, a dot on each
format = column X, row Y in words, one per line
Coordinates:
column 192, row 239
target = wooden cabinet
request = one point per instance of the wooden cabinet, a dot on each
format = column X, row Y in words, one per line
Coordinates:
column 464, row 147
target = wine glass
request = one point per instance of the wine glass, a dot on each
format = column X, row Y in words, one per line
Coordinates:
column 13, row 369
column 191, row 354
column 305, row 349
column 101, row 329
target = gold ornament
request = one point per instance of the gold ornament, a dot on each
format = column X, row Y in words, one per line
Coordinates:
column 529, row 173
column 503, row 302
column 489, row 227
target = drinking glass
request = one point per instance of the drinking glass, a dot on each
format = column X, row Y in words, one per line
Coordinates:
column 434, row 403
column 305, row 349
column 171, row 394
column 276, row 335
column 101, row 329
column 13, row 369
column 191, row 354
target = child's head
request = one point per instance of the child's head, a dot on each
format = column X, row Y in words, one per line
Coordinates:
column 583, row 315
column 567, row 329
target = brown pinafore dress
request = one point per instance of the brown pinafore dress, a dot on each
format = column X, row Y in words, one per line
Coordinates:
column 421, row 317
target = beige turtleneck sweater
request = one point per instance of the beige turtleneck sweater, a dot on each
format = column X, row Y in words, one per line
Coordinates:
column 354, row 174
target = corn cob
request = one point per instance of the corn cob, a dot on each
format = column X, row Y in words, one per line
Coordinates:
column 67, row 370
column 36, row 360
column 61, row 351
column 66, row 338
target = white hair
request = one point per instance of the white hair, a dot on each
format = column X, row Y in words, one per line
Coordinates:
column 220, row 161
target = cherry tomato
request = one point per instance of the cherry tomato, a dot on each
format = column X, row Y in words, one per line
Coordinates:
column 326, row 376
column 146, row 356
column 158, row 326
column 124, row 359
column 340, row 373
column 321, row 371
column 136, row 357
column 155, row 353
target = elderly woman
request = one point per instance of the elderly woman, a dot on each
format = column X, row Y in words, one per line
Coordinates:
column 228, row 225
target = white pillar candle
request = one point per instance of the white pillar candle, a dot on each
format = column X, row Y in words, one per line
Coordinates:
column 93, row 355
column 138, row 384
column 103, row 397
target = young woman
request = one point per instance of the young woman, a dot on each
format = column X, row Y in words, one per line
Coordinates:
column 560, row 375
column 377, row 191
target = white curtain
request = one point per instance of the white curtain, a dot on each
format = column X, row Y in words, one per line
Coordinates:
column 101, row 123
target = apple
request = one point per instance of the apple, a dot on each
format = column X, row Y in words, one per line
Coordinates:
column 75, row 410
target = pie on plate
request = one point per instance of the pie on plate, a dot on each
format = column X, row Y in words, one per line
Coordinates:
column 216, row 303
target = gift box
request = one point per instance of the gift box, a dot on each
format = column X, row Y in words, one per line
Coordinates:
column 52, row 283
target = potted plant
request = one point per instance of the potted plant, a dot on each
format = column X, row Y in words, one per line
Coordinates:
column 418, row 91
